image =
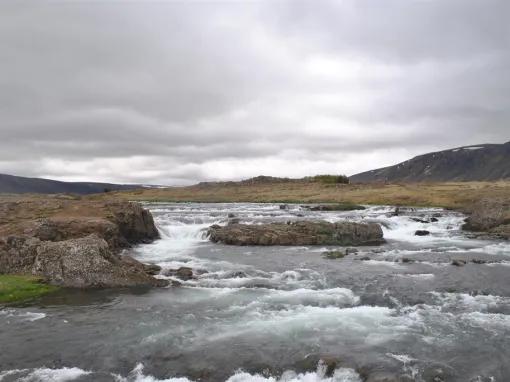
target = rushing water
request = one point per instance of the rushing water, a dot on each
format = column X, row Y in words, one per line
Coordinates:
column 271, row 313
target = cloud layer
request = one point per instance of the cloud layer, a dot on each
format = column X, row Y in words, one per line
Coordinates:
column 178, row 92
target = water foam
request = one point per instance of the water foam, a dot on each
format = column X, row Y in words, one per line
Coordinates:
column 339, row 375
column 137, row 375
column 22, row 315
column 45, row 374
column 469, row 303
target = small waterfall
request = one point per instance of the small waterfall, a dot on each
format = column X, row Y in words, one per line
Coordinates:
column 184, row 232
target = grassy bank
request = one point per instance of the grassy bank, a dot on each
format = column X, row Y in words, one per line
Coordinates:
column 450, row 195
column 16, row 288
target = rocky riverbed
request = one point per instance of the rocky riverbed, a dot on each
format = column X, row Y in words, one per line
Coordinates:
column 417, row 308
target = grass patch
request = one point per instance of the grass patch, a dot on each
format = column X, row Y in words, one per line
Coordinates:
column 16, row 288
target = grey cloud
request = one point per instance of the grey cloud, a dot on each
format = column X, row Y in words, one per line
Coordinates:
column 398, row 30
column 177, row 92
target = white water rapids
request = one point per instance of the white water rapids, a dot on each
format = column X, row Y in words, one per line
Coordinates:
column 272, row 313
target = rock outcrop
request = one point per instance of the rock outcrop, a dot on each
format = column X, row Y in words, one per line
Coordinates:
column 491, row 216
column 76, row 243
column 88, row 262
column 298, row 233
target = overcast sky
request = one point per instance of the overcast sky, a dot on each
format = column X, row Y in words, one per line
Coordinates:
column 180, row 92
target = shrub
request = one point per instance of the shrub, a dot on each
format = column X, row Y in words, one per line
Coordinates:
column 331, row 179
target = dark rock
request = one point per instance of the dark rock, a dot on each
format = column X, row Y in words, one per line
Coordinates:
column 234, row 221
column 458, row 262
column 422, row 232
column 407, row 260
column 237, row 274
column 329, row 364
column 326, row 363
column 434, row 220
column 364, row 258
column 335, row 207
column 284, row 206
column 418, row 220
column 183, row 273
column 135, row 223
column 152, row 269
column 231, row 215
column 298, row 233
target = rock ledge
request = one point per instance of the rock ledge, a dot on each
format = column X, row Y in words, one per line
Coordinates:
column 76, row 243
column 298, row 233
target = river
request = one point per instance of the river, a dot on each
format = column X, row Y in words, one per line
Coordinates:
column 267, row 314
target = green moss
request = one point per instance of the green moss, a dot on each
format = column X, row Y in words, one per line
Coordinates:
column 16, row 288
column 334, row 254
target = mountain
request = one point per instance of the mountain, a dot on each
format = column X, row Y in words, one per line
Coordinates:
column 468, row 163
column 19, row 185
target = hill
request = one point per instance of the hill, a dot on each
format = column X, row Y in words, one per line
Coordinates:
column 21, row 185
column 487, row 162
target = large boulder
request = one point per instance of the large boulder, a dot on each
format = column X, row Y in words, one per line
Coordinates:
column 298, row 233
column 88, row 262
column 80, row 263
column 135, row 223
column 489, row 215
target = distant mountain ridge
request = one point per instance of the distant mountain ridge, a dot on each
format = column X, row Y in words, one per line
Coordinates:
column 485, row 162
column 21, row 185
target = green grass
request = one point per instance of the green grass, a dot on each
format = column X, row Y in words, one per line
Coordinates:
column 14, row 288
